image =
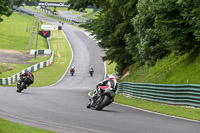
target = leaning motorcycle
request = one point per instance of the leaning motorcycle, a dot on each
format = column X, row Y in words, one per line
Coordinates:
column 21, row 84
column 102, row 98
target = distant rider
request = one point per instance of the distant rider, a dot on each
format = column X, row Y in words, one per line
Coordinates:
column 29, row 78
column 91, row 70
column 72, row 69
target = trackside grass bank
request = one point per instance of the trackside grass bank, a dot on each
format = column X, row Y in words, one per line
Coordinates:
column 185, row 112
column 110, row 67
column 174, row 69
column 16, row 32
column 12, row 127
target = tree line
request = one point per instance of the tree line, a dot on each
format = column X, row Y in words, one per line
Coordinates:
column 143, row 31
column 6, row 6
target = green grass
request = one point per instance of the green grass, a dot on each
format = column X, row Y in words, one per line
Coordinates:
column 8, row 69
column 15, row 33
column 12, row 127
column 190, row 113
column 173, row 69
column 110, row 67
column 90, row 14
column 39, row 58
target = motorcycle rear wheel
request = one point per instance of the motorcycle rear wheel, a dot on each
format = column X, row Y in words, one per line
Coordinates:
column 20, row 87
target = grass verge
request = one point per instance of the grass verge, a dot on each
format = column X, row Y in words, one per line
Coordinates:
column 110, row 67
column 174, row 69
column 16, row 31
column 8, row 69
column 12, row 127
column 185, row 112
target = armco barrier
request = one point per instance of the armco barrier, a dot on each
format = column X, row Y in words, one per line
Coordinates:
column 187, row 95
column 14, row 78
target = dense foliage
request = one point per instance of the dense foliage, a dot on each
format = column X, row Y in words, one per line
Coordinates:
column 4, row 10
column 144, row 31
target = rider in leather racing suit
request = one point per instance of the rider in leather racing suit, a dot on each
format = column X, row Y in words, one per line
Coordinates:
column 29, row 78
column 72, row 69
column 111, row 82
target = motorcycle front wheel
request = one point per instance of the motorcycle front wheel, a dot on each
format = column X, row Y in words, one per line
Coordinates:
column 20, row 87
column 106, row 100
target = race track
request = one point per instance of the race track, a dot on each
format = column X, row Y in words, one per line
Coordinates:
column 62, row 107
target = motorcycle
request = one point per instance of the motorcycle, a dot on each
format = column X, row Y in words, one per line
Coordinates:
column 101, row 99
column 91, row 72
column 21, row 84
column 72, row 71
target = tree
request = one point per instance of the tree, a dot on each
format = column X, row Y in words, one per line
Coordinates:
column 174, row 21
column 163, row 27
column 146, row 46
column 4, row 10
column 9, row 3
column 190, row 13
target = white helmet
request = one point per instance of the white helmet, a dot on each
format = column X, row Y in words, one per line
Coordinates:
column 112, row 77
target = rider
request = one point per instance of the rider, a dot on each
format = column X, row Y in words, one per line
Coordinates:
column 111, row 82
column 29, row 77
column 72, row 69
column 91, row 69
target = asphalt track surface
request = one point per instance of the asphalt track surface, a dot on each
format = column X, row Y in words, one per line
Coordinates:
column 62, row 106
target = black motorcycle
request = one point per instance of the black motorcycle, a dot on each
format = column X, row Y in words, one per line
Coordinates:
column 101, row 99
column 22, row 84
